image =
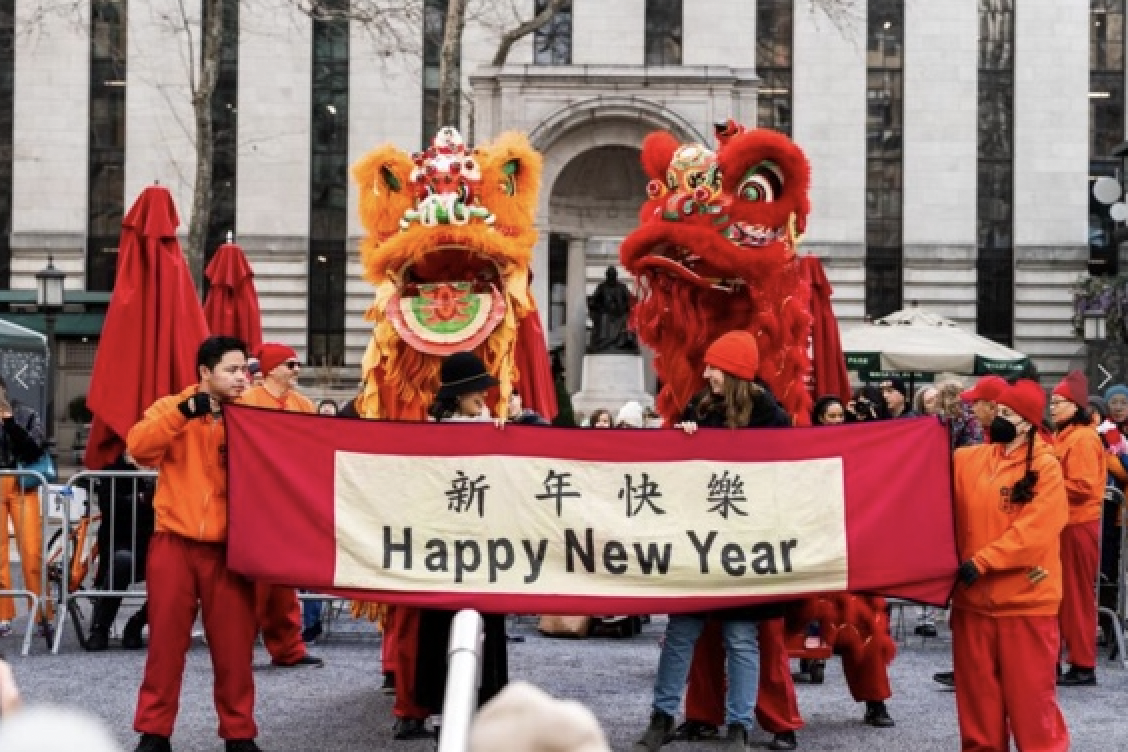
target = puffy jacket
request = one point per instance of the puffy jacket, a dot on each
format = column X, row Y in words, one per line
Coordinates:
column 190, row 457
column 21, row 437
column 293, row 401
column 1084, row 467
column 1008, row 540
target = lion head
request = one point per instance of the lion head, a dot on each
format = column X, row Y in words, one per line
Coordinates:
column 450, row 240
column 715, row 250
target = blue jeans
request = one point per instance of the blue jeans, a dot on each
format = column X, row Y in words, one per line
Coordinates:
column 311, row 612
column 742, row 653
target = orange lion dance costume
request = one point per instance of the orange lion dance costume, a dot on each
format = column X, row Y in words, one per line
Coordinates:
column 715, row 251
column 450, row 239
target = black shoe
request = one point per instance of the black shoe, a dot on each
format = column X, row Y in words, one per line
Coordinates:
column 306, row 661
column 1078, row 677
column 312, row 632
column 660, row 731
column 389, row 685
column 241, row 745
column 784, row 740
column 98, row 640
column 131, row 635
column 877, row 715
column 925, row 630
column 153, row 743
column 410, row 728
column 736, row 740
column 947, row 678
column 696, row 731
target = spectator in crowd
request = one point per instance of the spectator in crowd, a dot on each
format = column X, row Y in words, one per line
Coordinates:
column 601, row 418
column 522, row 416
column 327, row 407
column 896, row 394
column 254, row 371
column 868, row 404
column 1116, row 396
column 963, row 426
column 21, row 443
column 1085, row 471
column 1010, row 506
column 828, row 411
column 731, row 399
column 183, row 436
column 630, row 416
column 926, row 401
column 123, row 543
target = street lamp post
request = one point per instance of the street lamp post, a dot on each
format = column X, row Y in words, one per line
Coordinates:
column 1096, row 326
column 49, row 300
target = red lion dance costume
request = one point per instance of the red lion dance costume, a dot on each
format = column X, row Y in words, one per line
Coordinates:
column 715, row 251
column 450, row 239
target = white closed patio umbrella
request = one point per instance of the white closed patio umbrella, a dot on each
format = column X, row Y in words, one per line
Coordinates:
column 918, row 341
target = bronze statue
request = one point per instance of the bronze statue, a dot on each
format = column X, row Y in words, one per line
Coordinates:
column 609, row 307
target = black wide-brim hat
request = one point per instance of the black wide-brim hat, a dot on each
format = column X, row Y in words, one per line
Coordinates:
column 462, row 373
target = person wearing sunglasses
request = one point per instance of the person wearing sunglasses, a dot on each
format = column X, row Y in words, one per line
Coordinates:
column 277, row 608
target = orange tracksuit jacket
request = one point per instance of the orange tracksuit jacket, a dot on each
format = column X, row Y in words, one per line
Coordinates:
column 1084, row 466
column 292, row 402
column 191, row 497
column 1007, row 540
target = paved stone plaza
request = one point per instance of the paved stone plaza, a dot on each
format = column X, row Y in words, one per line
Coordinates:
column 340, row 709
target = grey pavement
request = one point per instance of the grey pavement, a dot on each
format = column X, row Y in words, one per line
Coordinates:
column 340, row 707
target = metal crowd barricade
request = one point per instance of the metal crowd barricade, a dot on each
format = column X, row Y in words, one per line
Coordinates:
column 1117, row 618
column 34, row 607
column 79, row 543
column 464, row 676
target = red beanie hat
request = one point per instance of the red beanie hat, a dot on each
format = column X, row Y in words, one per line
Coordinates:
column 987, row 388
column 1075, row 388
column 273, row 354
column 736, row 354
column 1028, row 399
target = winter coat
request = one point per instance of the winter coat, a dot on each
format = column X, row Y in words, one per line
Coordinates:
column 1084, row 467
column 21, row 440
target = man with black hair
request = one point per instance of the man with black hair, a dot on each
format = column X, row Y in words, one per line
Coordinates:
column 183, row 436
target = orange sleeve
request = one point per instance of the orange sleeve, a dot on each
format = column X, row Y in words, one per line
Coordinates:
column 1036, row 526
column 1084, row 470
column 150, row 438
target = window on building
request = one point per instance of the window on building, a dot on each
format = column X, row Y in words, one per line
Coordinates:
column 434, row 23
column 774, row 35
column 1106, row 127
column 552, row 43
column 995, row 173
column 106, row 157
column 885, row 40
column 225, row 131
column 328, row 210
column 663, row 32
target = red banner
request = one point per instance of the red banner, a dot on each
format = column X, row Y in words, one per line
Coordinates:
column 533, row 519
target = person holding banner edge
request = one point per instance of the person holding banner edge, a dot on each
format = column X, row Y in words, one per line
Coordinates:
column 1010, row 508
column 733, row 398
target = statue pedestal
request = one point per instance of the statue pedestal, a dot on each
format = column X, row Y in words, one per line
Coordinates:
column 610, row 381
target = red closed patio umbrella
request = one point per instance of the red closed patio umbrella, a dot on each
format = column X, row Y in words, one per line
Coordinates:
column 154, row 326
column 232, row 306
column 831, row 377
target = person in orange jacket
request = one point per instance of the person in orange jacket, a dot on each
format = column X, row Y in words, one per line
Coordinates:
column 183, row 436
column 277, row 608
column 1084, row 467
column 1010, row 508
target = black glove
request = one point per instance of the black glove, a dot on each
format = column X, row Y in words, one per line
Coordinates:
column 196, row 406
column 969, row 573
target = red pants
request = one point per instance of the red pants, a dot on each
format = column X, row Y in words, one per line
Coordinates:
column 777, row 707
column 388, row 646
column 181, row 572
column 403, row 624
column 1080, row 557
column 279, row 616
column 1006, row 682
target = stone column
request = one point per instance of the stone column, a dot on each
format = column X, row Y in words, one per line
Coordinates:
column 575, row 340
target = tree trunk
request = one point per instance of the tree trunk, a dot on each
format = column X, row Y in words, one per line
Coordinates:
column 450, row 65
column 212, row 39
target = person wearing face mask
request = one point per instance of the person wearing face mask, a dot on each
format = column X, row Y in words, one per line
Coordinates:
column 1082, row 456
column 1010, row 508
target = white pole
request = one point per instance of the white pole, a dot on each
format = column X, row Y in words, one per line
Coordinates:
column 464, row 674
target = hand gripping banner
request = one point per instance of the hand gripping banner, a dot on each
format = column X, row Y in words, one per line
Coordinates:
column 555, row 520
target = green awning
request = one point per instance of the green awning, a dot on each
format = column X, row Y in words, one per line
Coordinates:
column 88, row 324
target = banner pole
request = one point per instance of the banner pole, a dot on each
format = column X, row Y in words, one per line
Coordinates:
column 464, row 673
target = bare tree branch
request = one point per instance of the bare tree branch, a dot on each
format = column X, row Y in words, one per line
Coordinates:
column 510, row 37
column 845, row 15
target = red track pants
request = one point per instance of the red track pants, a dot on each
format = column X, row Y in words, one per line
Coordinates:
column 777, row 707
column 403, row 623
column 181, row 572
column 388, row 643
column 1080, row 557
column 1006, row 682
column 279, row 616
